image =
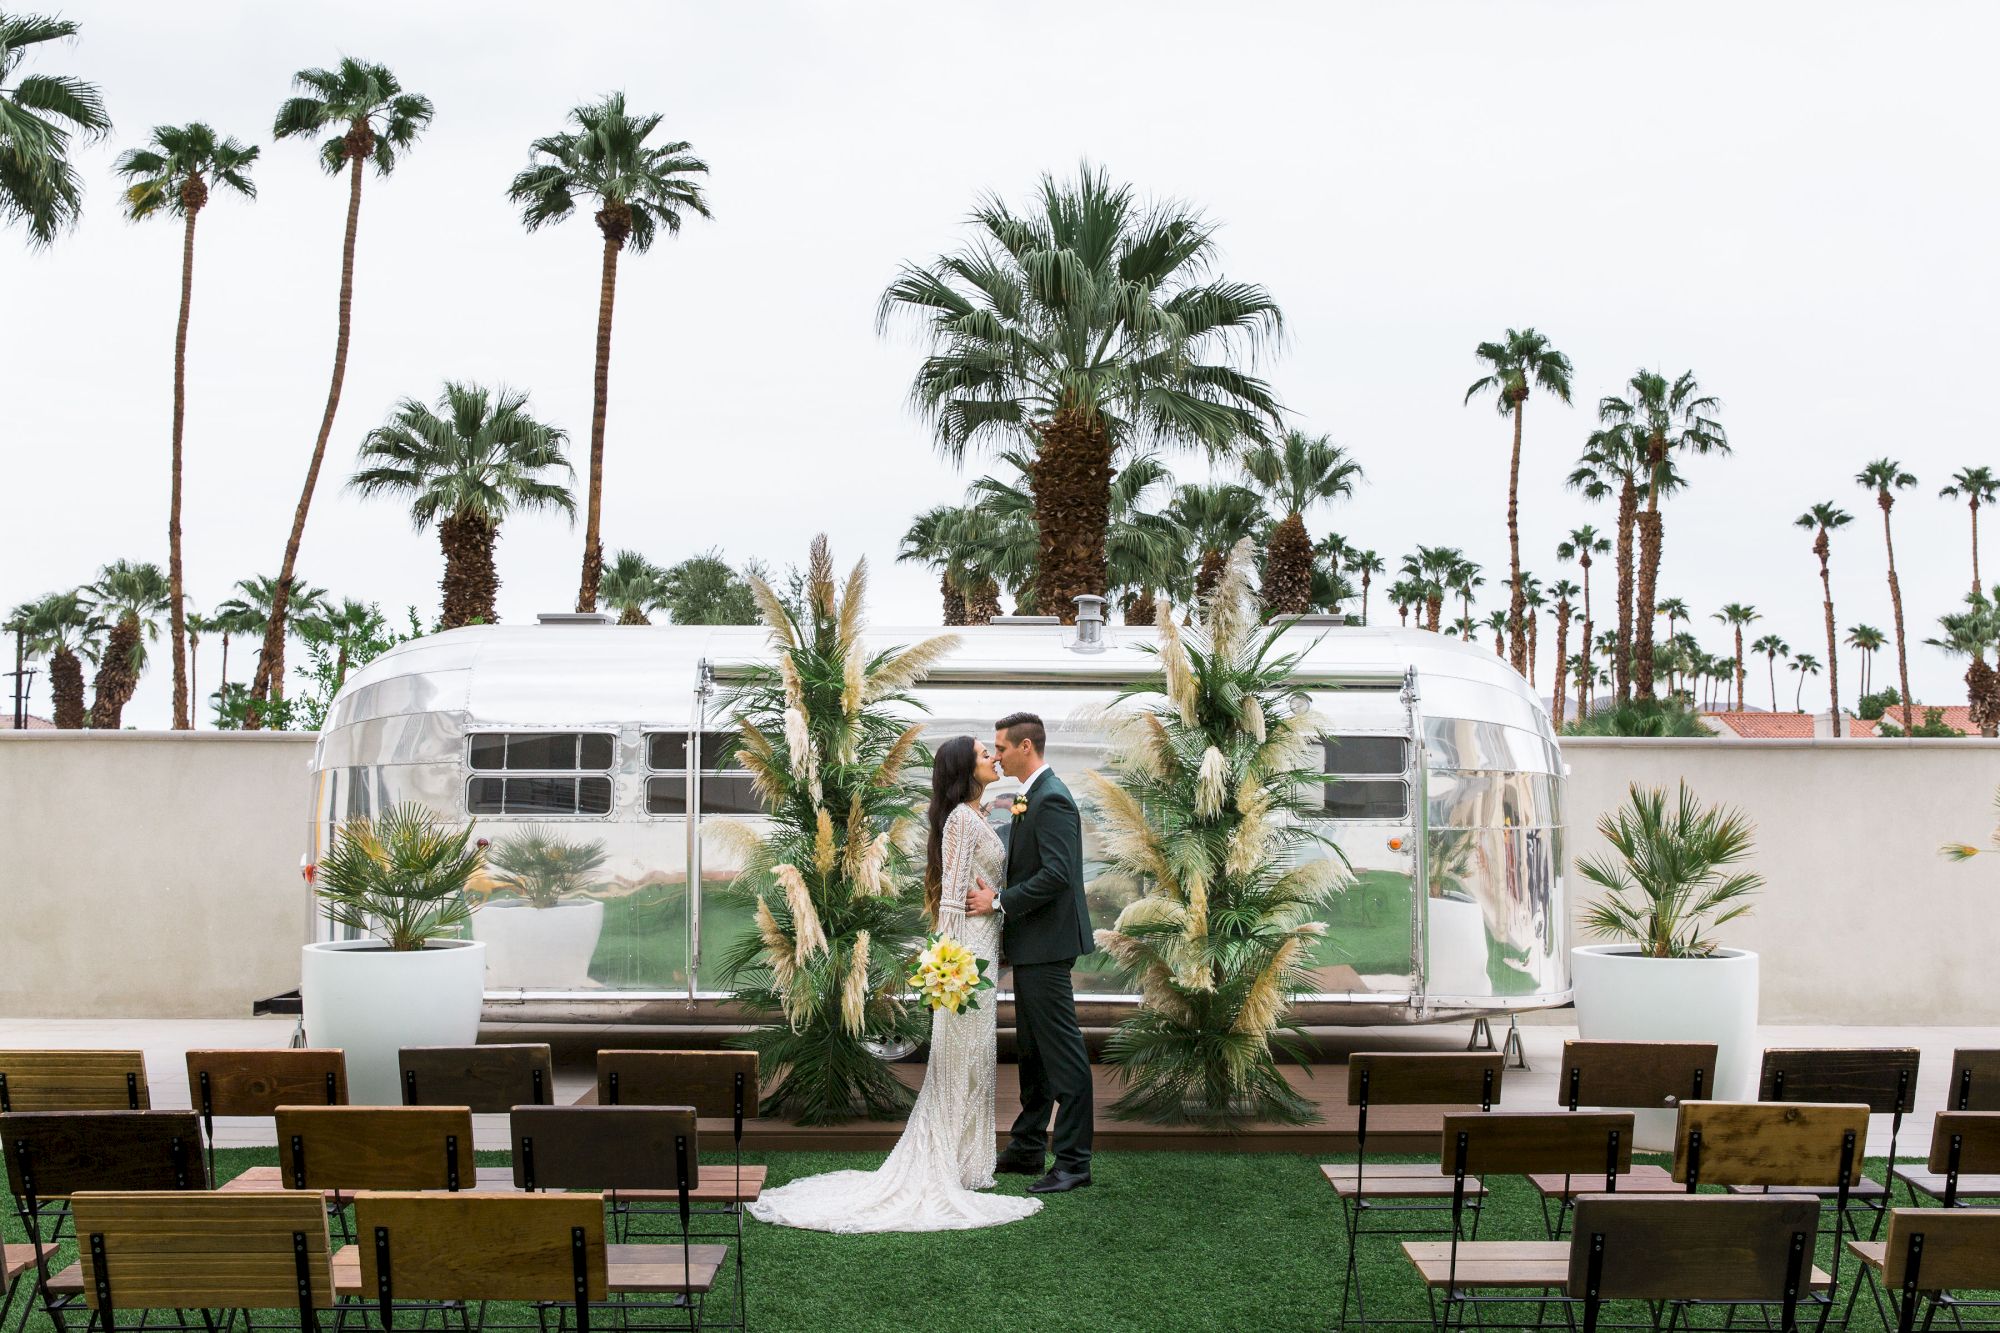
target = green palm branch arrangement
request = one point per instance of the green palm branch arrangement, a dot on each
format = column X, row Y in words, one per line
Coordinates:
column 1204, row 806
column 1667, row 877
column 401, row 878
column 827, row 739
column 542, row 869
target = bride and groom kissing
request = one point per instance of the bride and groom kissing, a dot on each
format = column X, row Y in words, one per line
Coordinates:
column 1019, row 902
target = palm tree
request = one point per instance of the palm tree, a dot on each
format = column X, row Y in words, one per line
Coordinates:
column 1579, row 669
column 1522, row 358
column 1465, row 627
column 1773, row 648
column 129, row 597
column 1821, row 520
column 230, row 621
column 632, row 585
column 1430, row 569
column 1215, row 517
column 1367, row 564
column 1563, row 591
column 1497, row 622
column 252, row 612
column 1092, row 326
column 343, row 627
column 1736, row 615
column 1885, row 476
column 175, row 176
column 1667, row 419
column 367, row 118
column 42, row 116
column 464, row 468
column 640, row 189
column 63, row 630
column 197, row 627
column 1581, row 544
column 1867, row 640
column 1675, row 610
column 1465, row 579
column 1612, row 462
column 1976, row 486
column 1969, row 633
column 1294, row 474
column 1405, row 593
column 1803, row 665
column 1533, row 599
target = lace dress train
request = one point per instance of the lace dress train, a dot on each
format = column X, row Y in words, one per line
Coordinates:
column 946, row 1154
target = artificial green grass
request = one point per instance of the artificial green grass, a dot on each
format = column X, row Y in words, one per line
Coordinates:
column 1161, row 1241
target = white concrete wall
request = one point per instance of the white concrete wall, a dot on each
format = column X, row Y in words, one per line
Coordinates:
column 150, row 874
column 156, row 875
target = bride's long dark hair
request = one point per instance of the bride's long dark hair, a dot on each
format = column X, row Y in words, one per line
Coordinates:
column 954, row 774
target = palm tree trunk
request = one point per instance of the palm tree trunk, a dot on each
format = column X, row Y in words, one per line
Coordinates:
column 1534, row 635
column 269, row 681
column 1644, row 608
column 177, row 623
column 1771, row 671
column 1209, row 574
column 66, row 689
column 1896, row 605
column 982, row 602
column 1975, row 543
column 1562, row 660
column 194, row 684
column 470, row 582
column 1144, row 610
column 1799, row 695
column 115, row 677
column 1621, row 665
column 1517, row 637
column 1434, row 610
column 1821, row 548
column 1288, row 569
column 607, row 290
column 1364, row 596
column 1589, row 628
column 223, row 684
column 1739, row 668
column 1982, row 692
column 1071, row 481
column 954, row 600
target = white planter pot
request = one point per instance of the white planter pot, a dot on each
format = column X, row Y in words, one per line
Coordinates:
column 1622, row 995
column 538, row 948
column 371, row 1002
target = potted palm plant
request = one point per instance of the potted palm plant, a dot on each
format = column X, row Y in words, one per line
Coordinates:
column 539, row 929
column 1669, row 878
column 400, row 881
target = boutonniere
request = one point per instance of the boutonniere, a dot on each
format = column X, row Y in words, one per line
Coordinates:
column 1020, row 807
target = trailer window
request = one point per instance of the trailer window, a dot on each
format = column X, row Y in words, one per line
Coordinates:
column 1366, row 788
column 539, row 796
column 543, row 751
column 726, row 789
column 1357, row 756
column 546, row 773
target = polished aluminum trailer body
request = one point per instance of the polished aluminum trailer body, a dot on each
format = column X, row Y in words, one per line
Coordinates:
column 1449, row 804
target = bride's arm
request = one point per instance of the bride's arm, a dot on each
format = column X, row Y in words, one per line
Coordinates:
column 957, row 872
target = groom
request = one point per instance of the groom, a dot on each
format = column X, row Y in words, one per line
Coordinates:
column 1044, row 929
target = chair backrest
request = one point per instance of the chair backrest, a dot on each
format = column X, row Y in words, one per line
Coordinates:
column 1639, row 1074
column 605, row 1147
column 1715, row 1247
column 202, row 1250
column 714, row 1083
column 55, row 1153
column 1971, row 1137
column 492, row 1080
column 73, row 1081
column 1975, row 1080
column 1427, row 1078
column 1770, row 1143
column 375, row 1147
column 481, row 1247
column 1958, row 1249
column 1884, row 1078
column 258, row 1082
column 1578, row 1143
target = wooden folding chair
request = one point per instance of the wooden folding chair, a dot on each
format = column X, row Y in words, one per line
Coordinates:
column 1713, row 1249
column 73, row 1081
column 1882, row 1078
column 204, row 1251
column 1964, row 1162
column 1384, row 1078
column 1624, row 1075
column 53, row 1155
column 342, row 1150
column 492, row 1080
column 418, row 1250
column 255, row 1083
column 1930, row 1256
column 1589, row 1146
column 1975, row 1080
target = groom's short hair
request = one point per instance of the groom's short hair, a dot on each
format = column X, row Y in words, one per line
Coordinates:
column 1024, row 727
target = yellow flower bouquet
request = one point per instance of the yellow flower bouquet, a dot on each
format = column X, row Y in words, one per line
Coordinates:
column 949, row 975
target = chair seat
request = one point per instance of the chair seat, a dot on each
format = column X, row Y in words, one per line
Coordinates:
column 18, row 1259
column 1874, row 1253
column 69, row 1282
column 269, row 1179
column 1932, row 1183
column 1872, row 1191
column 1511, row 1263
column 1373, row 1184
column 635, row 1270
column 719, row 1184
column 1643, row 1178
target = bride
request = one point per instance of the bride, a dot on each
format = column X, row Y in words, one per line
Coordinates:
column 947, row 1149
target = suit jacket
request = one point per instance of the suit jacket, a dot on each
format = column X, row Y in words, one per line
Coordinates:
column 1046, row 918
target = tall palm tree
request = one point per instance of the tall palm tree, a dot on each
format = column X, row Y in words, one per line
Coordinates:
column 1215, row 517
column 1668, row 419
column 129, row 597
column 1497, row 622
column 1093, row 326
column 42, row 117
column 1736, row 615
column 1866, row 640
column 197, row 627
column 1969, row 633
column 1821, row 520
column 1367, row 564
column 464, row 468
column 1429, row 569
column 1329, row 554
column 233, row 622
column 1976, row 486
column 1579, row 670
column 633, row 586
column 343, row 626
column 1612, row 463
column 640, row 189
column 1465, row 627
column 1294, row 475
column 251, row 612
column 1581, row 545
column 367, row 117
column 1534, row 599
column 1405, row 593
column 1675, row 610
column 1464, row 580
column 64, row 630
column 1773, row 648
column 1563, row 591
column 1803, row 665
column 1885, row 476
column 1522, row 359
column 175, row 175
column 945, row 538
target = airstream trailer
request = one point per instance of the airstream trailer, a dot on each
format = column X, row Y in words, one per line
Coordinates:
column 610, row 739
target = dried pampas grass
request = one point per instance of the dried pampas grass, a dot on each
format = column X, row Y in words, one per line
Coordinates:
column 808, row 936
column 854, row 989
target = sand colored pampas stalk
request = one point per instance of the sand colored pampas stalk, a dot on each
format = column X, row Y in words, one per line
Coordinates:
column 1265, row 1002
column 890, row 770
column 909, row 666
column 776, row 618
column 1127, row 835
column 735, row 840
column 1248, row 842
column 819, row 579
column 808, row 937
column 1177, row 670
column 854, row 989
column 853, row 597
column 826, row 851
column 854, row 683
column 858, row 840
column 1212, row 784
column 1253, row 719
column 778, row 949
column 1232, row 608
column 798, row 742
column 1195, row 889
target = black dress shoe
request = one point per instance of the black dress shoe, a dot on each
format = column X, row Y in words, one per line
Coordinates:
column 1006, row 1165
column 1060, row 1181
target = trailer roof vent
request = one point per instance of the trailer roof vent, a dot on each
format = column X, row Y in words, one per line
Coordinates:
column 574, row 618
column 1089, row 624
column 1025, row 620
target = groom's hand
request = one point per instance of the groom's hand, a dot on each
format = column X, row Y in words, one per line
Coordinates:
column 980, row 901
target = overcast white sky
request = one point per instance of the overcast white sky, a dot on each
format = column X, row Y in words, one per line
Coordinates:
column 1797, row 201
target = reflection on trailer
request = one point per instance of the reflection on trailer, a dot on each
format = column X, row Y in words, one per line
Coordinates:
column 1449, row 806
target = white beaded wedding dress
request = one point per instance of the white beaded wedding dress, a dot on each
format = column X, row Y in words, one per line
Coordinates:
column 946, row 1152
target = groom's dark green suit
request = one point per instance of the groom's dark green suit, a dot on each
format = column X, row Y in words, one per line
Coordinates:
column 1044, row 929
